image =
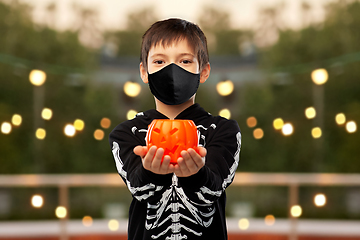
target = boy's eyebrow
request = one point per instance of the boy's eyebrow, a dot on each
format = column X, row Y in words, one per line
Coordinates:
column 164, row 55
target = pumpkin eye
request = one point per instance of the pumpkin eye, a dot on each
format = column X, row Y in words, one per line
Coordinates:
column 173, row 131
column 157, row 130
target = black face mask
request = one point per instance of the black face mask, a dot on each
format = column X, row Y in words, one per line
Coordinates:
column 173, row 85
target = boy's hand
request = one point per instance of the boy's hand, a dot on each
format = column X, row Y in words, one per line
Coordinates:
column 190, row 162
column 151, row 159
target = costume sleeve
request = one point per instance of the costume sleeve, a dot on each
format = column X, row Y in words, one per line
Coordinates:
column 221, row 162
column 143, row 184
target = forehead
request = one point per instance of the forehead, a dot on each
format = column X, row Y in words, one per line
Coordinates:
column 176, row 46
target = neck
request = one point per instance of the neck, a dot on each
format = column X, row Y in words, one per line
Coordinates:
column 171, row 111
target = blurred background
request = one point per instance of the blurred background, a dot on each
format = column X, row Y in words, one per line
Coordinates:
column 287, row 71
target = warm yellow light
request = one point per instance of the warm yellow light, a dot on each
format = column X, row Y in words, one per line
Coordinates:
column 319, row 76
column 113, row 225
column 225, row 113
column 87, row 221
column 269, row 220
column 46, row 113
column 99, row 134
column 310, row 112
column 340, row 118
column 37, row 201
column 320, row 200
column 60, row 212
column 316, row 132
column 258, row 133
column 244, row 224
column 278, row 123
column 37, row 77
column 40, row 133
column 79, row 125
column 105, row 123
column 16, row 120
column 6, row 128
column 251, row 122
column 132, row 89
column 287, row 129
column 225, row 88
column 351, row 126
column 69, row 130
column 131, row 114
column 296, row 211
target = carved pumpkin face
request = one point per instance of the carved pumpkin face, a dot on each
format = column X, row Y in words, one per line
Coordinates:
column 173, row 136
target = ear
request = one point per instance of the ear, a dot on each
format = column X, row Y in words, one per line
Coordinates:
column 143, row 73
column 205, row 73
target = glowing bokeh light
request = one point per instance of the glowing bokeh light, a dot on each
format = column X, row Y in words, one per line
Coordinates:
column 225, row 113
column 99, row 134
column 225, row 88
column 131, row 114
column 37, row 201
column 244, row 223
column 316, row 132
column 320, row 200
column 46, row 113
column 310, row 112
column 37, row 77
column 79, row 125
column 319, row 76
column 340, row 118
column 69, row 130
column 278, row 123
column 287, row 129
column 105, row 123
column 113, row 225
column 132, row 89
column 60, row 212
column 87, row 221
column 6, row 128
column 296, row 211
column 269, row 220
column 16, row 120
column 251, row 122
column 258, row 133
column 40, row 133
column 351, row 127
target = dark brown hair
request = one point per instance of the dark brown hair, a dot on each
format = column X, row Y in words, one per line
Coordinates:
column 168, row 31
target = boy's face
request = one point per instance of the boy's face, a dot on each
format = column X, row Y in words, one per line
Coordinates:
column 179, row 53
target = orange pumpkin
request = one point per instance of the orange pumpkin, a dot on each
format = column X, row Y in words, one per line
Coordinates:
column 173, row 136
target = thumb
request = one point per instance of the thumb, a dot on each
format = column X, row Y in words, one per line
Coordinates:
column 140, row 151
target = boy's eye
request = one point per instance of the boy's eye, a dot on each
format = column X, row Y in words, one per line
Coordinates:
column 159, row 62
column 186, row 61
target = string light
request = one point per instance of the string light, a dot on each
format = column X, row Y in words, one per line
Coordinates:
column 258, row 133
column 319, row 76
column 105, row 123
column 131, row 114
column 251, row 122
column 37, row 201
column 316, row 132
column 225, row 113
column 16, row 120
column 287, row 129
column 37, row 77
column 269, row 220
column 244, row 223
column 296, row 211
column 40, row 133
column 320, row 200
column 340, row 118
column 87, row 221
column 113, row 225
column 69, row 130
column 6, row 128
column 132, row 89
column 60, row 212
column 278, row 123
column 351, row 127
column 310, row 112
column 99, row 134
column 46, row 113
column 79, row 125
column 225, row 88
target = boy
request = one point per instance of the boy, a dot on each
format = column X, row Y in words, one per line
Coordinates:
column 186, row 200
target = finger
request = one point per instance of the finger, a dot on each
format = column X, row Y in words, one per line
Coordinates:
column 182, row 162
column 202, row 151
column 165, row 165
column 147, row 160
column 177, row 169
column 140, row 151
column 156, row 162
column 197, row 159
column 190, row 160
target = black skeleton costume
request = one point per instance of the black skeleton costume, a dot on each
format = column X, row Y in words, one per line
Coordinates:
column 170, row 207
